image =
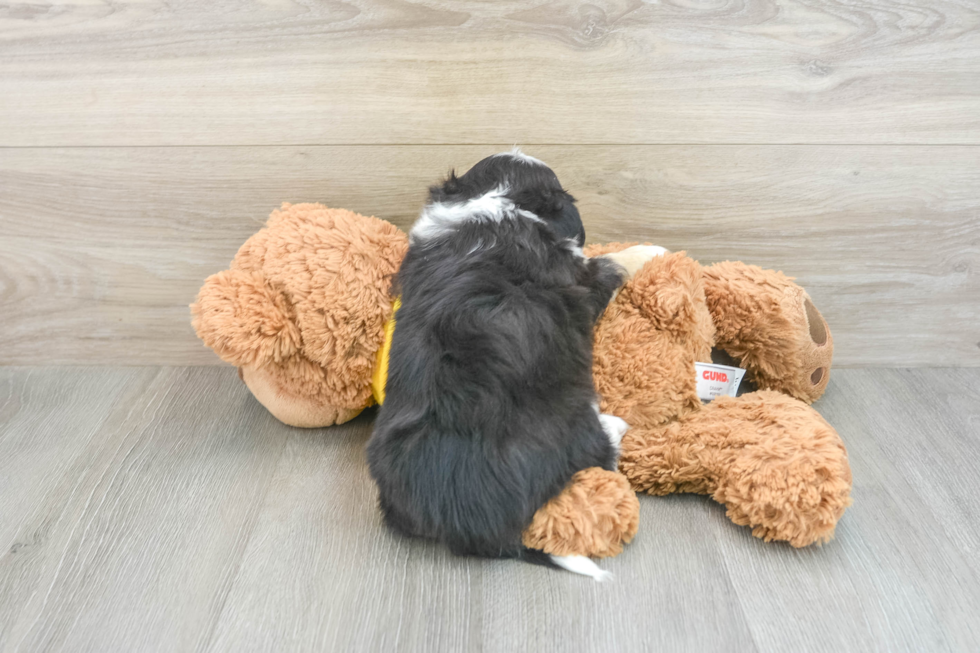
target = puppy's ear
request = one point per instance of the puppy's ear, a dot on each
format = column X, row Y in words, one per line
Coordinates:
column 570, row 216
column 568, row 222
column 449, row 188
column 546, row 203
column 553, row 203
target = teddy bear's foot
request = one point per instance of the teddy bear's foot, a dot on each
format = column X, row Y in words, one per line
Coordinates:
column 772, row 460
column 595, row 515
column 771, row 326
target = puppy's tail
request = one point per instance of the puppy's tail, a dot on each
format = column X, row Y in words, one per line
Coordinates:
column 575, row 564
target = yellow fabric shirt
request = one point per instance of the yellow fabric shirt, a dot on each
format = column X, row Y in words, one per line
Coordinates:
column 380, row 376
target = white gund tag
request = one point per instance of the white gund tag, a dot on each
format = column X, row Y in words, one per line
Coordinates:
column 717, row 380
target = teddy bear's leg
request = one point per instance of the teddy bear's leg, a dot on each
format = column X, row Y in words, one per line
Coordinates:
column 772, row 460
column 594, row 516
column 770, row 325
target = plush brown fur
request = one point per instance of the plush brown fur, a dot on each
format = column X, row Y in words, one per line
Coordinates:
column 596, row 515
column 771, row 325
column 301, row 312
column 649, row 338
column 772, row 460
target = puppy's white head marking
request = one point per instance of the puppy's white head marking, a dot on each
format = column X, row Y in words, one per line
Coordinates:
column 438, row 218
column 523, row 158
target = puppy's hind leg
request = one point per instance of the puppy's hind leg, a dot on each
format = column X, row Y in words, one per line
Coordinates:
column 614, row 427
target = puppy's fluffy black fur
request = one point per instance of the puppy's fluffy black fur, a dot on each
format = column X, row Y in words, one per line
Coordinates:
column 489, row 399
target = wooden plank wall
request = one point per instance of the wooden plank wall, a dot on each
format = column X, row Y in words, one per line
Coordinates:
column 142, row 141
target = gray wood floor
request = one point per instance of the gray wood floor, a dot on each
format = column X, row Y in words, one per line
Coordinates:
column 164, row 509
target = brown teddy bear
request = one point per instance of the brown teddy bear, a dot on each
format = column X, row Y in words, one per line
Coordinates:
column 305, row 313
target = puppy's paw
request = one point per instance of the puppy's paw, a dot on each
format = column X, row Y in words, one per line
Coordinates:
column 582, row 565
column 614, row 427
column 633, row 258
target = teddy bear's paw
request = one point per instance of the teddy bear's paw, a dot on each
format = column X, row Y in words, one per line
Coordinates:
column 788, row 475
column 632, row 259
column 804, row 369
column 818, row 347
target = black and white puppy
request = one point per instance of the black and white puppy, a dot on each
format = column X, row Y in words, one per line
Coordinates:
column 490, row 407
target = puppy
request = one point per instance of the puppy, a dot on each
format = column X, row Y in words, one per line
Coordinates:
column 489, row 405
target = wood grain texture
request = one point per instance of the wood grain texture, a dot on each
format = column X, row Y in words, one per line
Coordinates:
column 104, row 248
column 281, row 72
column 131, row 542
column 169, row 512
column 363, row 588
column 47, row 420
column 907, row 548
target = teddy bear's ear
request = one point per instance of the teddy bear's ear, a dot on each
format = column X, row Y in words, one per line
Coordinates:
column 245, row 319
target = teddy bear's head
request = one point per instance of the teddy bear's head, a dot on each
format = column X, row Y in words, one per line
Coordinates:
column 302, row 308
